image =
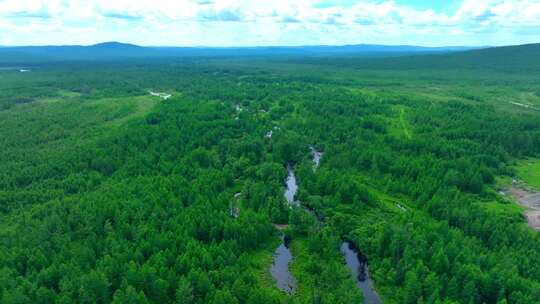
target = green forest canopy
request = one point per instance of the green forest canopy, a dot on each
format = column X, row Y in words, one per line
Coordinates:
column 111, row 195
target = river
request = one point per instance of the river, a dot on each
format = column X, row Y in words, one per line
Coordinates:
column 291, row 188
column 359, row 269
column 356, row 262
column 283, row 256
column 280, row 268
column 317, row 155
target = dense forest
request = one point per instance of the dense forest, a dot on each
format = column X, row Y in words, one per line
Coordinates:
column 109, row 194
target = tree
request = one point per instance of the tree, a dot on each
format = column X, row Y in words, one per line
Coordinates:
column 128, row 295
column 413, row 288
column 184, row 292
column 94, row 288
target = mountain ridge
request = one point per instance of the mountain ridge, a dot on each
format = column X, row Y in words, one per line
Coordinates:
column 116, row 50
column 503, row 58
column 113, row 50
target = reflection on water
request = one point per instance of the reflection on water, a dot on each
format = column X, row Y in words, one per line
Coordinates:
column 292, row 187
column 280, row 268
column 358, row 266
column 316, row 156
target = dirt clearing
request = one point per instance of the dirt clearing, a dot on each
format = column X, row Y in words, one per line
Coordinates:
column 529, row 199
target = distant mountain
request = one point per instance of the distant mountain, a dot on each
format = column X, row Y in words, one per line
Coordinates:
column 376, row 48
column 364, row 50
column 117, row 50
column 507, row 58
column 519, row 57
column 107, row 50
column 115, row 45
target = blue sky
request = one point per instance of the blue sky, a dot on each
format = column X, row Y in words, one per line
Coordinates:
column 270, row 22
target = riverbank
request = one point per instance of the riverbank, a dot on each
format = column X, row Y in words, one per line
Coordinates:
column 260, row 260
column 322, row 272
column 307, row 266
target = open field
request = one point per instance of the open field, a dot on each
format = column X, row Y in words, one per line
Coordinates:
column 529, row 171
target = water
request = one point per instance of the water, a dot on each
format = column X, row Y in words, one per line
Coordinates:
column 280, row 268
column 316, row 156
column 283, row 256
column 359, row 268
column 292, row 187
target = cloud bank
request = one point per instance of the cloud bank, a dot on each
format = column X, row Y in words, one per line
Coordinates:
column 277, row 22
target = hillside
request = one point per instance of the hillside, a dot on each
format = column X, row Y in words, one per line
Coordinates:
column 102, row 51
column 520, row 57
column 508, row 58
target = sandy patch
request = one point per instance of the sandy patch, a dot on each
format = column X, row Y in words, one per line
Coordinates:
column 531, row 200
column 533, row 218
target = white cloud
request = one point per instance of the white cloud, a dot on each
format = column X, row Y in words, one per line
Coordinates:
column 248, row 22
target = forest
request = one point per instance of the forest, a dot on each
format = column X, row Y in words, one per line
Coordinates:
column 110, row 194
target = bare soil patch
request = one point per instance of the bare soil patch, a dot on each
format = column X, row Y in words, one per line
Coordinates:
column 531, row 200
column 281, row 226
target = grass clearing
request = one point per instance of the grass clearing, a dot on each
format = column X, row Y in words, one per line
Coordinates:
column 398, row 125
column 501, row 208
column 529, row 171
column 404, row 123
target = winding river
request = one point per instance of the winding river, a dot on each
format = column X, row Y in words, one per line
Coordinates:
column 357, row 263
column 283, row 256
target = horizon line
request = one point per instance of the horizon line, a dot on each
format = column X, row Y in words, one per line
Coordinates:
column 262, row 46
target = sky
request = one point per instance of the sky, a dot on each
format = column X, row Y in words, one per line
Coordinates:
column 270, row 22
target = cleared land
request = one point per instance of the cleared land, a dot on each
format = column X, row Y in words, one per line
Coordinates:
column 530, row 200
